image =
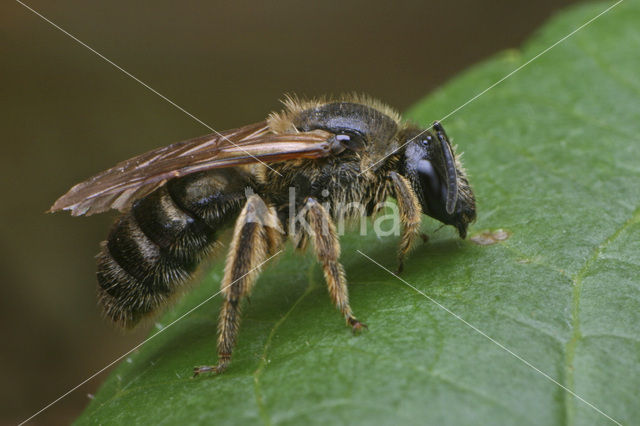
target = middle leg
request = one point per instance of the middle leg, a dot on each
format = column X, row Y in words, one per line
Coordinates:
column 327, row 248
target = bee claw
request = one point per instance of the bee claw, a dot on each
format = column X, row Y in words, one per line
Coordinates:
column 215, row 369
column 400, row 268
column 357, row 326
column 201, row 369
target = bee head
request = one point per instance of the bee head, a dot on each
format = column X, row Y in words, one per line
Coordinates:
column 437, row 177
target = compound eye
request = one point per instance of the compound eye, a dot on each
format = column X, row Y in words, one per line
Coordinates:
column 429, row 175
column 351, row 140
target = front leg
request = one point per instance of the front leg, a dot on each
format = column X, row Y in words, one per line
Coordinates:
column 410, row 215
column 327, row 248
column 255, row 235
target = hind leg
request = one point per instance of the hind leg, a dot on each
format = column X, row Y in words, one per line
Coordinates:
column 256, row 234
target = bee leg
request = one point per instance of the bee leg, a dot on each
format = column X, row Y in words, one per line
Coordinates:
column 257, row 233
column 410, row 215
column 327, row 248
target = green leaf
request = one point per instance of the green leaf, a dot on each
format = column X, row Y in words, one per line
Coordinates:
column 554, row 157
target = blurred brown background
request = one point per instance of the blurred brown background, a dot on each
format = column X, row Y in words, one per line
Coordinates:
column 67, row 114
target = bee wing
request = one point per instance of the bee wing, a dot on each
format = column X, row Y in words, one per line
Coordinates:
column 119, row 186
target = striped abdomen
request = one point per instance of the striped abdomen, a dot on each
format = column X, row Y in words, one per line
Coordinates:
column 156, row 246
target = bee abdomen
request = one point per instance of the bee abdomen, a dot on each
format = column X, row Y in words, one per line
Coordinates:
column 155, row 247
column 136, row 275
column 178, row 234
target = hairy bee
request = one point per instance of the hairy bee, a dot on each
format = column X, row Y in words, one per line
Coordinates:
column 176, row 199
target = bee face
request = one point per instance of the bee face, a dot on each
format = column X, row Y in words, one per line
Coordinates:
column 438, row 178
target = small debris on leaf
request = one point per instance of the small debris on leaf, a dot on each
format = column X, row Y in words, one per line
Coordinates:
column 487, row 238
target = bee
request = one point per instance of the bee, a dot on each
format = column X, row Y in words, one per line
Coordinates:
column 175, row 200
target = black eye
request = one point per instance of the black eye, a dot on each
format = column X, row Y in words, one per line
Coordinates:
column 351, row 140
column 429, row 176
